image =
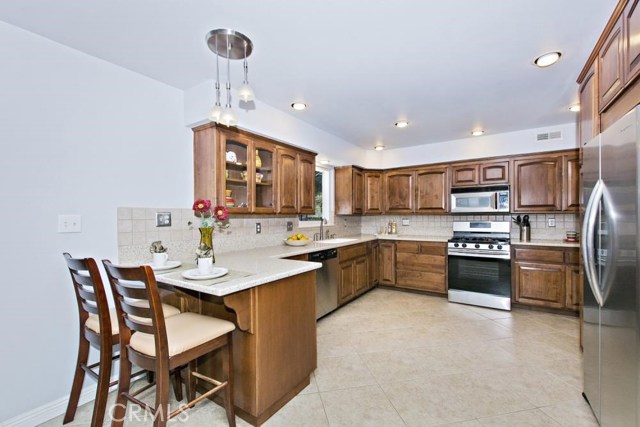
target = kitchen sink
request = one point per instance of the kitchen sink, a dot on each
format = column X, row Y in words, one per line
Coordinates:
column 336, row 240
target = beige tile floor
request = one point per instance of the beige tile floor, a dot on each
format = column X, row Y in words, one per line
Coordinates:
column 392, row 358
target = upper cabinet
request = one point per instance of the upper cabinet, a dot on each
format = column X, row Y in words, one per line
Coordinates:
column 483, row 173
column 588, row 119
column 399, row 189
column 537, row 184
column 611, row 72
column 250, row 174
column 349, row 190
column 373, row 192
column 548, row 182
column 611, row 66
column 432, row 190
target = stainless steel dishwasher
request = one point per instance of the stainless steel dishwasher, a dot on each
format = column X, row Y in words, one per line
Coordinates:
column 326, row 281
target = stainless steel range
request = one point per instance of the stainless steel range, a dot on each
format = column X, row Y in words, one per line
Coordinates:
column 479, row 258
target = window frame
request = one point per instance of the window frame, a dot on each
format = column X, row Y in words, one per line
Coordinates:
column 328, row 199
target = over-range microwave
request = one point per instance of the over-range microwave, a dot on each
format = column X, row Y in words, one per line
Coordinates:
column 493, row 199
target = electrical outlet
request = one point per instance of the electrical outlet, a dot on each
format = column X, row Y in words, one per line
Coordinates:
column 163, row 219
column 69, row 224
column 405, row 221
column 551, row 222
column 289, row 225
column 258, row 228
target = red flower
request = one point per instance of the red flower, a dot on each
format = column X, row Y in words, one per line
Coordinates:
column 221, row 213
column 202, row 206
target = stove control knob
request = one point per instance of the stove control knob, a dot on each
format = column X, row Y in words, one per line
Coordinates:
column 477, row 246
column 499, row 247
column 464, row 245
column 490, row 246
column 455, row 245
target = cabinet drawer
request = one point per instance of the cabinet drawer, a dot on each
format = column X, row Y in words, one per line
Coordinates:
column 430, row 248
column 572, row 256
column 352, row 252
column 408, row 247
column 420, row 262
column 421, row 280
column 539, row 255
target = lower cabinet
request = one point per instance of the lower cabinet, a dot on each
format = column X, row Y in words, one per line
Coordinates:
column 546, row 277
column 353, row 272
column 373, row 249
column 421, row 266
column 387, row 263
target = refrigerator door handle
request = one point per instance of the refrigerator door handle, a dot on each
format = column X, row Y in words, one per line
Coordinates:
column 588, row 248
column 609, row 271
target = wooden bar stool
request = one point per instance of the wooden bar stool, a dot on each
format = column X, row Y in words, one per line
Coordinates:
column 160, row 345
column 99, row 329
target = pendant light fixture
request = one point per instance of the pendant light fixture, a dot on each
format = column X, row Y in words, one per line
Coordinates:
column 229, row 44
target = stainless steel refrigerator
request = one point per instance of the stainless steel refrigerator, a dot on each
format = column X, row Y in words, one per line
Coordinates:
column 610, row 257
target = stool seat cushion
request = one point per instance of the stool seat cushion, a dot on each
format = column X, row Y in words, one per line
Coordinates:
column 184, row 331
column 94, row 324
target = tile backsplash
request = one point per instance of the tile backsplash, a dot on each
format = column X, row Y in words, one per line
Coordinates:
column 137, row 229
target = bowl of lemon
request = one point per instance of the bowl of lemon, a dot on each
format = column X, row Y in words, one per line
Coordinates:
column 297, row 239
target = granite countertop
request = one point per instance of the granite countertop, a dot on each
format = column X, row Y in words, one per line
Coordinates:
column 264, row 265
column 545, row 242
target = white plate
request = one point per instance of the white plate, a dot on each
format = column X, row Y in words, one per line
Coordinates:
column 168, row 266
column 195, row 274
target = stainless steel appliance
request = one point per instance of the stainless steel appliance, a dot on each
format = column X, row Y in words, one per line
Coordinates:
column 326, row 281
column 479, row 258
column 610, row 258
column 480, row 199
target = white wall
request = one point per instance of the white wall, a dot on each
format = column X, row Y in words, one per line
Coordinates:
column 78, row 136
column 501, row 144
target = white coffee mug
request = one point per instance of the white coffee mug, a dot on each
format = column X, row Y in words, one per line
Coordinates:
column 205, row 265
column 160, row 259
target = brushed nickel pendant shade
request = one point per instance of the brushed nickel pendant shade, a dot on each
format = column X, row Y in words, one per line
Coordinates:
column 229, row 44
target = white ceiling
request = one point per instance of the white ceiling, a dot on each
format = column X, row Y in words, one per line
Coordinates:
column 446, row 66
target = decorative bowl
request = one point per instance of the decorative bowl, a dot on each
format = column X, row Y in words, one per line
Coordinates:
column 297, row 242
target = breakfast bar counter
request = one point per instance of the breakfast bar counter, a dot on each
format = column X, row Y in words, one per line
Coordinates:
column 273, row 304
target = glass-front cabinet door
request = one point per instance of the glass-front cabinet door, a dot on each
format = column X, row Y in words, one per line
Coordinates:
column 236, row 160
column 264, row 195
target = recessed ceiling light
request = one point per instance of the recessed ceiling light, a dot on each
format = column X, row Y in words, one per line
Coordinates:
column 547, row 59
column 402, row 124
column 477, row 132
column 574, row 108
column 379, row 147
column 299, row 106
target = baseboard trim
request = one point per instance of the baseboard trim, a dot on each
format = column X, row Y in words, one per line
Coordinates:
column 51, row 410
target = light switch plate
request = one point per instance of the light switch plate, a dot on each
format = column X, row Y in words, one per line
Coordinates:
column 551, row 222
column 405, row 221
column 69, row 224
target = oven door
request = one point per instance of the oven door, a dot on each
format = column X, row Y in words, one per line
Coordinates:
column 480, row 280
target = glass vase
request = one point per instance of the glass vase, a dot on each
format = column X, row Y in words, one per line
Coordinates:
column 206, row 239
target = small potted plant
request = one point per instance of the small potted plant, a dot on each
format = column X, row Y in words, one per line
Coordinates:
column 159, row 252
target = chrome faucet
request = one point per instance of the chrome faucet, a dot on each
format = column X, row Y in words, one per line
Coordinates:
column 322, row 222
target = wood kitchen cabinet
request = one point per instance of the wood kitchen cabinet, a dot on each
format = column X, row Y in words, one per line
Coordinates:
column 571, row 193
column 373, row 251
column 296, row 182
column 483, row 173
column 546, row 277
column 387, row 263
column 611, row 66
column 423, row 190
column 588, row 118
column 306, row 183
column 259, row 176
column 349, row 190
column 353, row 272
column 399, row 189
column 537, row 183
column 373, row 192
column 432, row 190
column 631, row 26
column 421, row 266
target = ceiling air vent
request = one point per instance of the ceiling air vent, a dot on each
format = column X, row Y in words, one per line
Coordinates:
column 548, row 136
